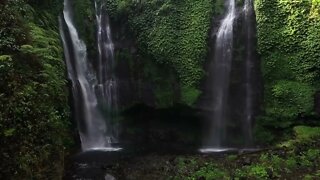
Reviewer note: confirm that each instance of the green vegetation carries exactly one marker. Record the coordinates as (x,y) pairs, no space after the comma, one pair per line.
(168,47)
(171,33)
(300,160)
(34,116)
(288,42)
(194,168)
(175,33)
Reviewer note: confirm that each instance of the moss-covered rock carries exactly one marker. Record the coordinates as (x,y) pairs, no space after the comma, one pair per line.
(173,34)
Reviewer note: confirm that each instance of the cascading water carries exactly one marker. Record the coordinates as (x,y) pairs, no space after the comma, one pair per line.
(90,94)
(249,64)
(107,83)
(225,112)
(221,77)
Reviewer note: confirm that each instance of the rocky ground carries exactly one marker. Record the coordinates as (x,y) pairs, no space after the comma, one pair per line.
(298,158)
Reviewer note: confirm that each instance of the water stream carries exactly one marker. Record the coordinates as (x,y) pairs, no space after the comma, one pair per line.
(94,91)
(249,65)
(221,77)
(224,111)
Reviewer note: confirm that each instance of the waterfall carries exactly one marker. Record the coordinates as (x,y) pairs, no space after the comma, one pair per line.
(222,106)
(221,77)
(249,65)
(107,82)
(91,90)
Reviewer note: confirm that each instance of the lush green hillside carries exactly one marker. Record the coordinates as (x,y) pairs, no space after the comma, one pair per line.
(289,46)
(34,115)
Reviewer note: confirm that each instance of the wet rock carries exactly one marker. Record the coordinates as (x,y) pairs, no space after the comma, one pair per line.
(109,177)
(106,166)
(317,102)
(246,161)
(172,160)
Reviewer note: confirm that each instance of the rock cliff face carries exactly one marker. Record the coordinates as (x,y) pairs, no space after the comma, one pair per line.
(162,47)
(163,54)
